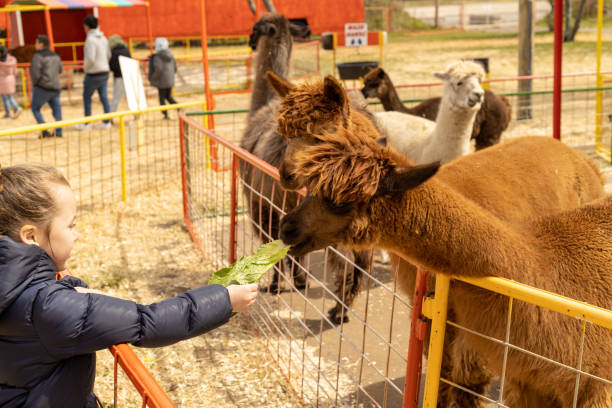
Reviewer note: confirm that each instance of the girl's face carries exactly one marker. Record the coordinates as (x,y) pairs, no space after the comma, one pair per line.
(62,235)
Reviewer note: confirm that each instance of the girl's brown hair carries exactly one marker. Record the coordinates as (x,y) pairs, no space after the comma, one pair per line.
(25,196)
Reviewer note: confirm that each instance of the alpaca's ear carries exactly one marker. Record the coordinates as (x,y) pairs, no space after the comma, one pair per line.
(381,73)
(382,141)
(334,92)
(402,179)
(281,86)
(441,75)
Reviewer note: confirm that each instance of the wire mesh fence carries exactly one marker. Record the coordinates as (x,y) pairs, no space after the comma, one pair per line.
(419,15)
(562,347)
(232,204)
(92,159)
(531,102)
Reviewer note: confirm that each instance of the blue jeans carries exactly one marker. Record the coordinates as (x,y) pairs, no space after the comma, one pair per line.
(9,102)
(91,84)
(41,96)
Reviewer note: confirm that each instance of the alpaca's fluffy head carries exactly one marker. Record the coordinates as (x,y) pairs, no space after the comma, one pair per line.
(463,84)
(270,25)
(343,174)
(310,110)
(376,84)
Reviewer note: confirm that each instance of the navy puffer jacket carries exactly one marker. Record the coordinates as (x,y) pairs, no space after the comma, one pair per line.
(49,332)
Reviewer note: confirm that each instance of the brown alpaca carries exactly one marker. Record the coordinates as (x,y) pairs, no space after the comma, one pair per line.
(470,222)
(271,38)
(491,120)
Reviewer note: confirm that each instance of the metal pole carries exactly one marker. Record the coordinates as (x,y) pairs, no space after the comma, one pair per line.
(415,348)
(49,29)
(599,78)
(232,248)
(123,159)
(149,27)
(19,28)
(558,69)
(436,341)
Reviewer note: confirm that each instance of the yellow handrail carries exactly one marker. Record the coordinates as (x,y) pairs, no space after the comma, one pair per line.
(561,304)
(436,310)
(88,119)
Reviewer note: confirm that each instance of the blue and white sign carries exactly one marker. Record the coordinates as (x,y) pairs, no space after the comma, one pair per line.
(356,34)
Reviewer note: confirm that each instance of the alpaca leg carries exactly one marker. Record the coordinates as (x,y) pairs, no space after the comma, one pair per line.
(595,394)
(348,281)
(466,369)
(298,274)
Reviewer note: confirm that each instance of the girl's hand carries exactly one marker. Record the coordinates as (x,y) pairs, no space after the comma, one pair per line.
(242,297)
(87,290)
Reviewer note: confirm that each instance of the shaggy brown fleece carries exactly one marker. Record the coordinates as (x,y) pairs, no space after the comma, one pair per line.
(522,210)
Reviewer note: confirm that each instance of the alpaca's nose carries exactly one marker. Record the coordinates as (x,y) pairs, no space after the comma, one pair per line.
(289,229)
(478,95)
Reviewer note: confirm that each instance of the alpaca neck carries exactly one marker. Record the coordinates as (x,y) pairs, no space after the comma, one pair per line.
(272,55)
(391,100)
(451,136)
(442,231)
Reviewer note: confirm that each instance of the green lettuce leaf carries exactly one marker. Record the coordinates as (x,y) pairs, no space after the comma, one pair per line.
(250,269)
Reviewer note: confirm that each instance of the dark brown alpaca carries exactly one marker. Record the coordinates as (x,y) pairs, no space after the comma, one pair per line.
(491,120)
(272,40)
(518,220)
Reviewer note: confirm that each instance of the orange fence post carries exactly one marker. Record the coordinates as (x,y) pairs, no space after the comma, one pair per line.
(418,330)
(49,29)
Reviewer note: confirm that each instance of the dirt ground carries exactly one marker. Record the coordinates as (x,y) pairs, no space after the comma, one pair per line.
(141,251)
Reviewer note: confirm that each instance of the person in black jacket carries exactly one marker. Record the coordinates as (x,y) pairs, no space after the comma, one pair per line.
(50,329)
(45,73)
(118,48)
(162,67)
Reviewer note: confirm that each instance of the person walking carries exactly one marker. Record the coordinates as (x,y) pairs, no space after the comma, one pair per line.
(118,48)
(8,70)
(45,73)
(162,67)
(95,64)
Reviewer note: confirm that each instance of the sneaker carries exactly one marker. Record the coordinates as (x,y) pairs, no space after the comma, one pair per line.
(103,126)
(6,116)
(82,126)
(45,134)
(17,113)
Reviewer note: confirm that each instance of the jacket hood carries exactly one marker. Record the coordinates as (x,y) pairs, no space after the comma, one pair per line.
(95,32)
(20,266)
(165,55)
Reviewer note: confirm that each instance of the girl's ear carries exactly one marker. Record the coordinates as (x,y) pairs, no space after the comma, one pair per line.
(27,234)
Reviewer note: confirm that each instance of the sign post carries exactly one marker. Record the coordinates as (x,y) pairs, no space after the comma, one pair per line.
(355,35)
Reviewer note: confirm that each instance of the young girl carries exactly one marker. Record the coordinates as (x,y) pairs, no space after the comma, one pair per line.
(49,329)
(8,70)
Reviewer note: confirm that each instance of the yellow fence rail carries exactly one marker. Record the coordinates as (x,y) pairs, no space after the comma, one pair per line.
(97,118)
(435,308)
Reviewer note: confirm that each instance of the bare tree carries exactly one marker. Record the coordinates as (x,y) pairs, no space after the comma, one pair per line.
(570,31)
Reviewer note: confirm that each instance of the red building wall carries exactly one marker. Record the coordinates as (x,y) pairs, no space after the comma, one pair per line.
(182,18)
(225,17)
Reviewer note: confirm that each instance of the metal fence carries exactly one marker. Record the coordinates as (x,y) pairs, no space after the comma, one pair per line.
(417,15)
(139,152)
(583,123)
(233,203)
(359,363)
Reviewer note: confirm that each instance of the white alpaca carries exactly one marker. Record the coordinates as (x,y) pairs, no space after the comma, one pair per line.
(424,141)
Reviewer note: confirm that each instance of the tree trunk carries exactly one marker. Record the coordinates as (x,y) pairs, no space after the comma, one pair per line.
(570,35)
(525,57)
(550,18)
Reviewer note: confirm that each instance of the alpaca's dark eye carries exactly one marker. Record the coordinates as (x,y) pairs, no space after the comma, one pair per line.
(337,208)
(459,83)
